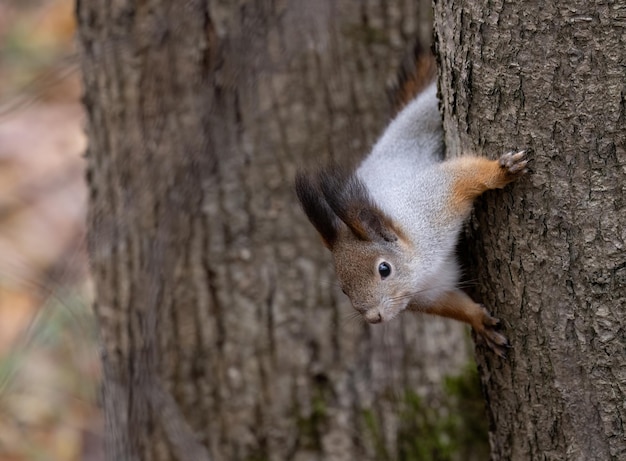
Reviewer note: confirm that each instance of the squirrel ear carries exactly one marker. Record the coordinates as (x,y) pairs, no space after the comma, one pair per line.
(317,210)
(377,225)
(348,198)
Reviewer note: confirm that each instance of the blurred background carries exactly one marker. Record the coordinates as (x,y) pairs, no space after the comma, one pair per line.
(48,355)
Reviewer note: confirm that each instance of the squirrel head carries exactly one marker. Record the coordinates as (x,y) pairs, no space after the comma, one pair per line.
(373,258)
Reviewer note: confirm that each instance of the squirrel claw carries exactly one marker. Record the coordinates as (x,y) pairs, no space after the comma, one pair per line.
(497,343)
(515,163)
(491,321)
(495,340)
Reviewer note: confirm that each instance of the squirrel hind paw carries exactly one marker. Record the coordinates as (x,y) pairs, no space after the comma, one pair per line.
(515,163)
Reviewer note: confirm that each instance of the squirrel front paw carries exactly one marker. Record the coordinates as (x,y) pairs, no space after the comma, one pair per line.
(487,330)
(515,163)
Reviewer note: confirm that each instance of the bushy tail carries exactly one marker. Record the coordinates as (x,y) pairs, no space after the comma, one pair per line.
(418,70)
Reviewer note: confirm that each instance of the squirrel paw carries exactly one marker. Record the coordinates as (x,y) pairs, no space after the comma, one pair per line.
(487,330)
(515,163)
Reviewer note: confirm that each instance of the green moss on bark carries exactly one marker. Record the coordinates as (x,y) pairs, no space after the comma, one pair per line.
(451,428)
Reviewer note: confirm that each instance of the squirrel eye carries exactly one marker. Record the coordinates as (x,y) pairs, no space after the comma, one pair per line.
(384,269)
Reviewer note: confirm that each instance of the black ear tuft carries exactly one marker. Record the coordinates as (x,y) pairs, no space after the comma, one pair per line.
(317,210)
(347,196)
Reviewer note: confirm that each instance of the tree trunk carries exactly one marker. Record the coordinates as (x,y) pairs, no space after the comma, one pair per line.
(548,252)
(223,333)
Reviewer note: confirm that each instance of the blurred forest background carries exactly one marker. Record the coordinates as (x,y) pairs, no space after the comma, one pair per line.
(49,366)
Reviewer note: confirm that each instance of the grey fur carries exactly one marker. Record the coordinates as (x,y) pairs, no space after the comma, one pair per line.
(404,178)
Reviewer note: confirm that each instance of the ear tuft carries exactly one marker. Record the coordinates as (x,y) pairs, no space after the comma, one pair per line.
(315,207)
(348,197)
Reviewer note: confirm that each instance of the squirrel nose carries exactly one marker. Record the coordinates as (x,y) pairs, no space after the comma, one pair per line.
(373,316)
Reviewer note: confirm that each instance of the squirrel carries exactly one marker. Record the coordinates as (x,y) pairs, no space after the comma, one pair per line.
(392,224)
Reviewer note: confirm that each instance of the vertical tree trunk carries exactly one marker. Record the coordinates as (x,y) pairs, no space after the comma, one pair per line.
(223,333)
(548,252)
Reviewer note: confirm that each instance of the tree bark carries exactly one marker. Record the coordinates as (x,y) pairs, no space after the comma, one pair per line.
(223,334)
(548,252)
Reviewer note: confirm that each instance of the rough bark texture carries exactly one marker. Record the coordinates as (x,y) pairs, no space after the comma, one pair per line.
(223,333)
(548,252)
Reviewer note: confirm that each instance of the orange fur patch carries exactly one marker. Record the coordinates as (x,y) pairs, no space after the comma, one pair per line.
(458,306)
(472,177)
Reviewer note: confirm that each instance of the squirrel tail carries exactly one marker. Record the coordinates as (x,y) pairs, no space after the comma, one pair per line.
(417,71)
